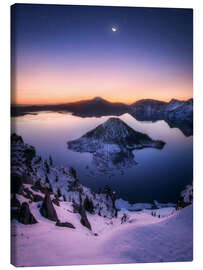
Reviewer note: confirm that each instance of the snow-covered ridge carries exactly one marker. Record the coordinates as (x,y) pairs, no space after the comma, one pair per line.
(122,204)
(176,113)
(173,110)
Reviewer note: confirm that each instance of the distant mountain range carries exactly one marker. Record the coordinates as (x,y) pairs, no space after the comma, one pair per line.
(175,109)
(100,107)
(176,113)
(84,108)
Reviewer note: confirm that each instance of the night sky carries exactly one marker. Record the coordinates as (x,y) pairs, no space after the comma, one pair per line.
(67,53)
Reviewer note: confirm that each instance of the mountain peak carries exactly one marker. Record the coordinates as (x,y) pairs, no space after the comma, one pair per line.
(174,100)
(113,120)
(98,99)
(113,131)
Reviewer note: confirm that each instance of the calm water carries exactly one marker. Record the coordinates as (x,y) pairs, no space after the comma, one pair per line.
(159,174)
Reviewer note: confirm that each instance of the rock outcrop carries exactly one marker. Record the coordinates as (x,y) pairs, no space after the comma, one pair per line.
(83,220)
(25,216)
(65,224)
(47,209)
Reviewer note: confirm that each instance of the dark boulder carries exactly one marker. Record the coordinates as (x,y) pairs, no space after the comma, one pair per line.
(25,215)
(15,202)
(65,224)
(47,209)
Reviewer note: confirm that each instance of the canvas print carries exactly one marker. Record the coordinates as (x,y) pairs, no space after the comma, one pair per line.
(101,135)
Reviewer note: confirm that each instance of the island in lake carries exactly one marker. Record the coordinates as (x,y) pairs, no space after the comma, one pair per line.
(112,143)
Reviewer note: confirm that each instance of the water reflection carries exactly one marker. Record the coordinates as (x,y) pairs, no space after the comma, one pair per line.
(158,175)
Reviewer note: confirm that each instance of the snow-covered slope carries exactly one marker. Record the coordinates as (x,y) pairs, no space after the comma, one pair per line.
(148,107)
(177,110)
(144,238)
(174,104)
(28,168)
(58,221)
(168,240)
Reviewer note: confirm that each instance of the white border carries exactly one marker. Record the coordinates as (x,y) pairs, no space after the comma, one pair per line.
(198,157)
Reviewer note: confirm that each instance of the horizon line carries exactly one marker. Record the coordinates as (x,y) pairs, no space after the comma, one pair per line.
(90,99)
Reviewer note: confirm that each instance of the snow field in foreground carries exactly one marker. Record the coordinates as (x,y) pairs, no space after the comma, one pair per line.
(145,239)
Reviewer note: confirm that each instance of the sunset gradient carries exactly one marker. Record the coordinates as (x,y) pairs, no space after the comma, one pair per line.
(68,53)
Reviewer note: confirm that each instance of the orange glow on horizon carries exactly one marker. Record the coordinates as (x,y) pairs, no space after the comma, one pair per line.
(51,85)
(44,101)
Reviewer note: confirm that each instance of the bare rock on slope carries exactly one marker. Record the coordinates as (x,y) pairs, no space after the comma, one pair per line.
(25,215)
(47,209)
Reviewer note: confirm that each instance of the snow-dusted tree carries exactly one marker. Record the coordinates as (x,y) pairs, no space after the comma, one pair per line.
(186,197)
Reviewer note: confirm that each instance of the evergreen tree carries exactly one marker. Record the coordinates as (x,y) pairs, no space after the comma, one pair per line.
(47,179)
(72,171)
(50,161)
(88,205)
(46,166)
(59,192)
(50,188)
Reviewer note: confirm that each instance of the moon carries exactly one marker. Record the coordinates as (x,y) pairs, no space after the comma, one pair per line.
(114,29)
